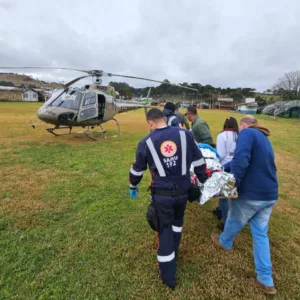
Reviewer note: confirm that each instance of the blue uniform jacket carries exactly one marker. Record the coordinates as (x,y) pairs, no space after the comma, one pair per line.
(169,153)
(172,120)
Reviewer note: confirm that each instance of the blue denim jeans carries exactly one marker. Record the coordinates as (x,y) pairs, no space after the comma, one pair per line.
(223,206)
(257,213)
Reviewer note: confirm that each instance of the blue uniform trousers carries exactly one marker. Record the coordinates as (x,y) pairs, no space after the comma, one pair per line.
(170,212)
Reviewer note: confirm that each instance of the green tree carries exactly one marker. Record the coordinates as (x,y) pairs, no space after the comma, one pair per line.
(6,83)
(260,100)
(288,86)
(125,92)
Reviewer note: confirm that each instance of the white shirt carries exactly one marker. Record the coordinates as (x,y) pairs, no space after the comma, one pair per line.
(226,143)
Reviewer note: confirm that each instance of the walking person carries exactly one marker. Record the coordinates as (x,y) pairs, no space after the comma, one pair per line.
(200,129)
(169,152)
(183,121)
(226,144)
(169,113)
(253,166)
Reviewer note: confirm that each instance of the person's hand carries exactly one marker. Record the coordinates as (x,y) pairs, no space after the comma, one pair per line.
(233,193)
(133,191)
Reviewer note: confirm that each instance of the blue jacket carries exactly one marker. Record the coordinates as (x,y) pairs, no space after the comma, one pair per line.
(172,120)
(169,153)
(253,165)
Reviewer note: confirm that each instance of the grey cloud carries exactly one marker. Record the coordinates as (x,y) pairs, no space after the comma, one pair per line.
(230,43)
(7,5)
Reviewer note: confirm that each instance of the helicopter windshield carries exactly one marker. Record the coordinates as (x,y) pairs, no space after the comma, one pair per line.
(68,99)
(54,95)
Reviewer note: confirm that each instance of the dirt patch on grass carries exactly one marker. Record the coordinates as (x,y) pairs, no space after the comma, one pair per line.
(20,191)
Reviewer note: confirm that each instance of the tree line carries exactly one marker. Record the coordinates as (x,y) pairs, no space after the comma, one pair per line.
(205,92)
(286,88)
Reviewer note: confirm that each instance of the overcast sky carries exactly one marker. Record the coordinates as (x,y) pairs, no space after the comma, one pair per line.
(229,43)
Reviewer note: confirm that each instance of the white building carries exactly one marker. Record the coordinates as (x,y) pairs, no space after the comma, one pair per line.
(32,95)
(249,107)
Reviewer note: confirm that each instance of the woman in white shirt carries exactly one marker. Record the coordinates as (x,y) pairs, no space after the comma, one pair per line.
(226,143)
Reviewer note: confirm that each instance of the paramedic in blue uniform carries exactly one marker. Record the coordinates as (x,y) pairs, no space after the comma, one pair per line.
(169,113)
(169,152)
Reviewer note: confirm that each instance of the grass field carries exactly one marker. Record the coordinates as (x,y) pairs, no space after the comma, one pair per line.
(68,229)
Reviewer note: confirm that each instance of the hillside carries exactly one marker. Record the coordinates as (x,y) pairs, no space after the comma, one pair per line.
(22,80)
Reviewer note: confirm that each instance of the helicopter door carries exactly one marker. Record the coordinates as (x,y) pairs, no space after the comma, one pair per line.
(89,108)
(101,106)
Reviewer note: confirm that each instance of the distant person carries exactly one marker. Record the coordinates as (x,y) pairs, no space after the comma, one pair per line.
(200,128)
(183,121)
(253,166)
(226,144)
(169,113)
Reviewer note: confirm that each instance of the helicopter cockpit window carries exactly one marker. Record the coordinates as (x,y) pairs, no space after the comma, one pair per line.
(70,99)
(89,99)
(54,95)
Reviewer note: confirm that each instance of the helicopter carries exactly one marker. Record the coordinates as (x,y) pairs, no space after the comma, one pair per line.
(90,106)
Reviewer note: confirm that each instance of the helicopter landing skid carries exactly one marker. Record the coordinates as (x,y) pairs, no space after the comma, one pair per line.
(51,130)
(90,136)
(102,131)
(87,133)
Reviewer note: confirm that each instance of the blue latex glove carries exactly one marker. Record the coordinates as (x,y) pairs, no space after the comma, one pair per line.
(206,146)
(133,192)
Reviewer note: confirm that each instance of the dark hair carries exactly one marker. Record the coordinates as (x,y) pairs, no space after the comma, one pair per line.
(154,114)
(231,123)
(192,110)
(171,106)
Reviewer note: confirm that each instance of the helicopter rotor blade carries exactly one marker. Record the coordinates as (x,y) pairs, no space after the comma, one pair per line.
(47,68)
(147,79)
(75,80)
(100,73)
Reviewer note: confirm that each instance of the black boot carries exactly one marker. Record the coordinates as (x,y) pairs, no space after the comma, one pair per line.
(218,213)
(221,226)
(172,287)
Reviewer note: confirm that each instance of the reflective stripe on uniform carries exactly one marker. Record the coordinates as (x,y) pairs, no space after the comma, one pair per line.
(166,258)
(156,159)
(198,163)
(176,229)
(170,120)
(183,152)
(136,173)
